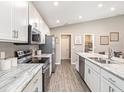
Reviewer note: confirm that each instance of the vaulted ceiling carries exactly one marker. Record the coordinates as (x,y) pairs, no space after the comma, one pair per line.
(71,12)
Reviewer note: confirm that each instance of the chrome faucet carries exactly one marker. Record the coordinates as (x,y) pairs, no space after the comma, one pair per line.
(110,53)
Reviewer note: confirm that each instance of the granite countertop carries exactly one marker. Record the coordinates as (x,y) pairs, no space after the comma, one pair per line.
(43,55)
(17,78)
(116,69)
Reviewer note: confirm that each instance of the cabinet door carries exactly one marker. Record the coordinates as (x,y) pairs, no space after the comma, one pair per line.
(35,85)
(33,16)
(77,62)
(5,20)
(20,20)
(92,79)
(108,87)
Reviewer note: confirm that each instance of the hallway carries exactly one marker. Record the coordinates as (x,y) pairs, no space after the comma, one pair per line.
(66,79)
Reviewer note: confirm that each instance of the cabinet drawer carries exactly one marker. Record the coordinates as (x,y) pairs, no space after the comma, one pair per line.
(93,66)
(113,79)
(34,82)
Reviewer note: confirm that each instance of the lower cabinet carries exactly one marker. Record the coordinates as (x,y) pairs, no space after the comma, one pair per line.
(77,62)
(92,78)
(100,80)
(106,86)
(35,85)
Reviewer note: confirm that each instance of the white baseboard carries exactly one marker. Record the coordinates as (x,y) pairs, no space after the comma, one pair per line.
(57,63)
(73,63)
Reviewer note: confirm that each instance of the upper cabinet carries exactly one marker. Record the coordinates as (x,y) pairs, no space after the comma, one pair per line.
(20,21)
(5,20)
(13,21)
(36,21)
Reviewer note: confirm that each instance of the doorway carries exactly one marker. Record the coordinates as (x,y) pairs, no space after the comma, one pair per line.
(66,48)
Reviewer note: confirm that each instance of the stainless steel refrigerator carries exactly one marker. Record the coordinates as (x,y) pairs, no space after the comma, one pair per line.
(50,47)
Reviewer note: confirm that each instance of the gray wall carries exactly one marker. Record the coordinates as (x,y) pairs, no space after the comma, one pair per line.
(101,27)
(9,48)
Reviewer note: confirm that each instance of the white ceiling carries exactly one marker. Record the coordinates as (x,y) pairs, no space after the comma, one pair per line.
(68,12)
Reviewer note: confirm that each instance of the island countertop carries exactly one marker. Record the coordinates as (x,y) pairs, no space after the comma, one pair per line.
(116,69)
(17,78)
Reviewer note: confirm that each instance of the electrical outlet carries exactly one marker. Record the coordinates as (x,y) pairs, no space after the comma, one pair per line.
(2,55)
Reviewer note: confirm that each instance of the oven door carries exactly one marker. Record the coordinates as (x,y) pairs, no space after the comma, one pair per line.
(46,78)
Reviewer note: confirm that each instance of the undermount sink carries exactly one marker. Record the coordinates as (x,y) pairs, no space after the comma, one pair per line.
(103,60)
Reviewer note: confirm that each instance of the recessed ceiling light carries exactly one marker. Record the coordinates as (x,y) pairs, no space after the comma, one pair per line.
(56,3)
(80,17)
(57,21)
(100,5)
(112,8)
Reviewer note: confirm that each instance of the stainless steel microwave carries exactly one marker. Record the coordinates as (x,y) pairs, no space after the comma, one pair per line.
(34,35)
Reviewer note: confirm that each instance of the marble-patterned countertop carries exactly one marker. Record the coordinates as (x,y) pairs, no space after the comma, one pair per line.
(17,78)
(43,55)
(116,69)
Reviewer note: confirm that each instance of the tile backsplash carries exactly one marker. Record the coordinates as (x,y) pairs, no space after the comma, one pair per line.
(10,48)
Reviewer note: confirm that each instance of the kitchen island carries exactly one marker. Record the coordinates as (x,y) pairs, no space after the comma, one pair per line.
(102,76)
(18,79)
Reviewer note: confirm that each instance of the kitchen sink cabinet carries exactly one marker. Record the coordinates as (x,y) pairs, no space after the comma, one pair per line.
(92,78)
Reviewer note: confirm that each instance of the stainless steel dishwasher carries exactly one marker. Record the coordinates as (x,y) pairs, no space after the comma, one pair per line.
(81,66)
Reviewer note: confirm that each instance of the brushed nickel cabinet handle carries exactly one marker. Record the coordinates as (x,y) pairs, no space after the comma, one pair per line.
(109,88)
(35,81)
(112,80)
(89,71)
(13,33)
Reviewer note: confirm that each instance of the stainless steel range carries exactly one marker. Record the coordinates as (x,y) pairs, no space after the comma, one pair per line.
(25,57)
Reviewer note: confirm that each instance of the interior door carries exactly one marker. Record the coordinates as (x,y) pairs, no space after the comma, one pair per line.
(65,47)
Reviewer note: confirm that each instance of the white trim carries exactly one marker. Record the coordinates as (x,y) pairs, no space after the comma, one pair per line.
(73,63)
(60,44)
(57,63)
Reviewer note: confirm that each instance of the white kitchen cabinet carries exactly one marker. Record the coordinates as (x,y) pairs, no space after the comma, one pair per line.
(36,21)
(77,62)
(14,21)
(34,16)
(92,78)
(116,83)
(5,20)
(35,85)
(20,21)
(106,86)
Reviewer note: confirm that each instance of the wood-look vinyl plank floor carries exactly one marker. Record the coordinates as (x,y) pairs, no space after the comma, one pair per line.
(66,79)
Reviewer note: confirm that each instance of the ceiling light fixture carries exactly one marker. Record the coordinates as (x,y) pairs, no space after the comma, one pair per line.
(80,17)
(56,3)
(57,21)
(112,8)
(100,5)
